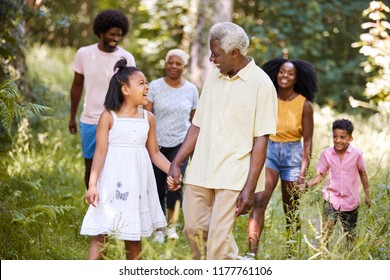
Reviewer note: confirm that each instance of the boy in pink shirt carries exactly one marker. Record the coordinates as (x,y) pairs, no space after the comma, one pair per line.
(341,192)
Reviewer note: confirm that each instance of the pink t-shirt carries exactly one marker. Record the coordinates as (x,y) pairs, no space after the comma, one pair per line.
(342,187)
(97,67)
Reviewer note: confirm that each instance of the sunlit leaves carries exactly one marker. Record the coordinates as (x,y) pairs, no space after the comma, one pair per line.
(375,45)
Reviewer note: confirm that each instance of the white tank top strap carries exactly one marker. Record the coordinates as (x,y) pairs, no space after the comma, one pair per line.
(113,114)
(145,114)
(115,117)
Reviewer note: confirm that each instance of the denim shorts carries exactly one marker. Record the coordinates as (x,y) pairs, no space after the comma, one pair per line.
(285,158)
(88,139)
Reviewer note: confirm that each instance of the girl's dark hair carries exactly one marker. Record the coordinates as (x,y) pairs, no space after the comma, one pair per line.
(114,96)
(343,124)
(306,81)
(108,19)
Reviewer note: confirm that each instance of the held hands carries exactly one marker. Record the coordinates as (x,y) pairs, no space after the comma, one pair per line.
(301,185)
(92,196)
(172,185)
(174,178)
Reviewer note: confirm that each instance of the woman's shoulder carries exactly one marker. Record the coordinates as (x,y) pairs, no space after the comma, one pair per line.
(189,84)
(157,81)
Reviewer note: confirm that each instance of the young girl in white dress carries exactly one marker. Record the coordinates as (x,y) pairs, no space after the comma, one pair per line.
(122,190)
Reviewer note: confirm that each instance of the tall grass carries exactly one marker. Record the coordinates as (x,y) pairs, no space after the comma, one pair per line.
(42,190)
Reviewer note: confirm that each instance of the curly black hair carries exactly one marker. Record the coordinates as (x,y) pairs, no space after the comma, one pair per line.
(108,19)
(343,124)
(306,81)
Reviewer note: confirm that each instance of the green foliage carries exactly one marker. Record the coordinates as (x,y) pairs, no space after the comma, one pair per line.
(162,30)
(61,23)
(13,108)
(157,26)
(11,38)
(320,32)
(30,207)
(375,45)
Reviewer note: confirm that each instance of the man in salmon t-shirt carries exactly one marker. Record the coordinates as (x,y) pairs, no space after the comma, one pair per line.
(93,68)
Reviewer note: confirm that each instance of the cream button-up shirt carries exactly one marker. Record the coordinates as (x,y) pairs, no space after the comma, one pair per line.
(231,113)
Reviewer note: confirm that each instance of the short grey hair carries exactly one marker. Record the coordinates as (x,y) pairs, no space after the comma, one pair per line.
(177,52)
(231,36)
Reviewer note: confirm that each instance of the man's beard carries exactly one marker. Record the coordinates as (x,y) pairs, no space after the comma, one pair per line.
(109,47)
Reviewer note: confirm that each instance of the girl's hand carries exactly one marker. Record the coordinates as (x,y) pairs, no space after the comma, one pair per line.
(92,196)
(171,183)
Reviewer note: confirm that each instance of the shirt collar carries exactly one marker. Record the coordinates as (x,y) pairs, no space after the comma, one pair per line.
(348,150)
(244,73)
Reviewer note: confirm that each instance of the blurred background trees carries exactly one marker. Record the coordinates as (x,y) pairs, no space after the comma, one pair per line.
(41,187)
(318,31)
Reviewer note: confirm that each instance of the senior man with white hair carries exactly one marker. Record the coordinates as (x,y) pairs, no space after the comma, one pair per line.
(173,100)
(228,137)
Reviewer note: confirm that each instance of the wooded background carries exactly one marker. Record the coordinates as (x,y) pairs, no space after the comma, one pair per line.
(42,192)
(319,31)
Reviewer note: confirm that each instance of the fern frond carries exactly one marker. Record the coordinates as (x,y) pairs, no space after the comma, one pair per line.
(9,89)
(30,214)
(52,210)
(33,110)
(13,107)
(5,116)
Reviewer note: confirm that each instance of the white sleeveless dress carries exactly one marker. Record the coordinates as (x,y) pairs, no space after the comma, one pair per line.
(129,207)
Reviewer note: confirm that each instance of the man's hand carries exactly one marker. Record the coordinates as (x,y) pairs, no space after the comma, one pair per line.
(174,178)
(244,202)
(172,185)
(73,126)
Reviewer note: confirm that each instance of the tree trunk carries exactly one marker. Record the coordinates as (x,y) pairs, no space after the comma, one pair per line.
(206,13)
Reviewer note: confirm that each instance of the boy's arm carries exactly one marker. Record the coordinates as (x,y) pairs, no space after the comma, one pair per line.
(316,179)
(364,180)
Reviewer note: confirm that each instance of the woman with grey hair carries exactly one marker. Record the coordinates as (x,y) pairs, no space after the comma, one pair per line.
(173,101)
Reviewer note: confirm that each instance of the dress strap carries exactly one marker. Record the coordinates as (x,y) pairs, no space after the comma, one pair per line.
(145,114)
(113,114)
